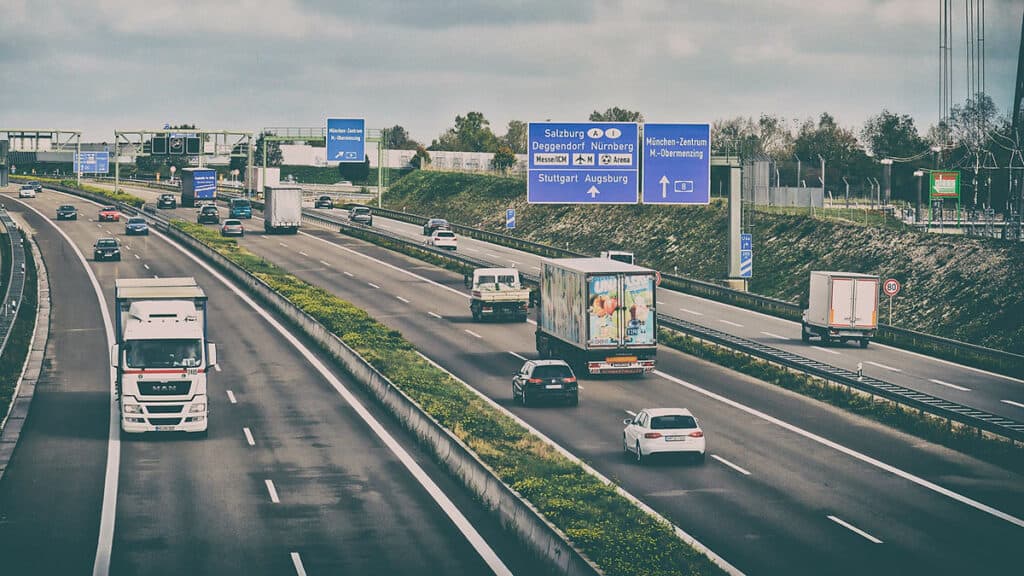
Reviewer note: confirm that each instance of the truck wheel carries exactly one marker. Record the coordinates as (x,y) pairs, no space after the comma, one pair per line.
(805,336)
(476,311)
(826,340)
(863,342)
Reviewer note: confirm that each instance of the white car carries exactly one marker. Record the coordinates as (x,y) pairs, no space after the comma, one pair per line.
(444,239)
(663,430)
(27,191)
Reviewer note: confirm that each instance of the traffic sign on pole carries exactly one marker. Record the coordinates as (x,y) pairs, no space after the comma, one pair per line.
(891,287)
(586,163)
(677,164)
(746,255)
(346,139)
(510,218)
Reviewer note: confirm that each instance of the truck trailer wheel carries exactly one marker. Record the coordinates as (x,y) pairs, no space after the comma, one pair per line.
(864,342)
(805,336)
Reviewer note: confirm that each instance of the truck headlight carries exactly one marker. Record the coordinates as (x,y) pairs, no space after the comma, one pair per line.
(132,409)
(198,407)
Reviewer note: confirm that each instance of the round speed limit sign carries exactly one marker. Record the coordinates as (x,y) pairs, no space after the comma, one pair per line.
(891,287)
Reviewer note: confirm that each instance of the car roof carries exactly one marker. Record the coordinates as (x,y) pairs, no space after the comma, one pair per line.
(136,218)
(433,220)
(106,239)
(109,208)
(232,221)
(360,208)
(667,411)
(23,186)
(443,233)
(66,206)
(554,362)
(207,207)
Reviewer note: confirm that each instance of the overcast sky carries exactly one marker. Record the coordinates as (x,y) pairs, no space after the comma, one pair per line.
(101,65)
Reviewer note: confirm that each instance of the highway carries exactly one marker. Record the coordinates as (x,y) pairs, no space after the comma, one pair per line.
(791,485)
(292,479)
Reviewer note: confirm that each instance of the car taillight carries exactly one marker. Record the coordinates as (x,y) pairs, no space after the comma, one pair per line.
(651,435)
(696,434)
(534,380)
(570,380)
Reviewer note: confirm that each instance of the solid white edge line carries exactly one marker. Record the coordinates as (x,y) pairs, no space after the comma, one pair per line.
(694,312)
(300,570)
(1012,403)
(739,469)
(854,529)
(848,451)
(770,335)
(730,323)
(272,491)
(682,534)
(826,350)
(447,506)
(948,385)
(471,333)
(108,513)
(438,316)
(248,436)
(231,397)
(520,356)
(882,366)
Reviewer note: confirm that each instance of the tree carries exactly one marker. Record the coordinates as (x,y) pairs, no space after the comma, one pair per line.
(516,136)
(889,135)
(837,145)
(421,158)
(471,133)
(355,171)
(616,114)
(503,159)
(397,138)
(743,137)
(971,122)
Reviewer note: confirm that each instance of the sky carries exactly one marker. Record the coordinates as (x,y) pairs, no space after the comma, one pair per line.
(101,65)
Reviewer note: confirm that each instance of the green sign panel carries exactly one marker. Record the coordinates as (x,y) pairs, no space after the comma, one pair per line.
(945,185)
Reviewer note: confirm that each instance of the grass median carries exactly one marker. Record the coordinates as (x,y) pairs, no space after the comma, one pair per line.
(130,199)
(17,348)
(611,530)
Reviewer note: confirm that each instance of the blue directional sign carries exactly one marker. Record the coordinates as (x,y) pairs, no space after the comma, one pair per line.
(346,139)
(510,218)
(586,163)
(746,241)
(677,164)
(746,255)
(92,162)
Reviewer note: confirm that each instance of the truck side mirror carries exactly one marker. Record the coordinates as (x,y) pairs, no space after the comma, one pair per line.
(211,354)
(115,353)
(466,281)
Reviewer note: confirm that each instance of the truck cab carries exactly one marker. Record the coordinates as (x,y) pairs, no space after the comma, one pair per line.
(618,255)
(162,355)
(497,293)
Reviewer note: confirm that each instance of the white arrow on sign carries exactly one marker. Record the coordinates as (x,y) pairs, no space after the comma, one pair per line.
(593,191)
(664,182)
(340,155)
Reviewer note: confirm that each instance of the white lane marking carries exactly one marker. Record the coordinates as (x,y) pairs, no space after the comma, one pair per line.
(248,436)
(1012,403)
(349,274)
(402,299)
(324,263)
(155,276)
(514,262)
(854,529)
(491,254)
(272,491)
(883,366)
(300,570)
(438,316)
(146,266)
(98,226)
(283,244)
(108,513)
(770,335)
(471,333)
(450,509)
(372,284)
(631,413)
(303,253)
(848,451)
(947,384)
(825,350)
(471,249)
(730,323)
(694,312)
(520,356)
(216,367)
(137,257)
(743,471)
(231,397)
(127,247)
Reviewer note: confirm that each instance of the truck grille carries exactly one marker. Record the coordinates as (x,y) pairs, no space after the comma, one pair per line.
(165,421)
(173,388)
(172,409)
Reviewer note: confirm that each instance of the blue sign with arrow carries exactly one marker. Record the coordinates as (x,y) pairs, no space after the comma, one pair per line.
(677,164)
(746,255)
(510,218)
(346,139)
(92,162)
(586,163)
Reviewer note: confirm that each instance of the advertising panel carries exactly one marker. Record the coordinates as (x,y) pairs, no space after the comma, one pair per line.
(603,316)
(560,303)
(638,294)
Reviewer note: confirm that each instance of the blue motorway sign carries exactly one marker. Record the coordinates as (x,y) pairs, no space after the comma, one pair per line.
(746,263)
(585,163)
(510,218)
(346,139)
(92,162)
(677,164)
(746,241)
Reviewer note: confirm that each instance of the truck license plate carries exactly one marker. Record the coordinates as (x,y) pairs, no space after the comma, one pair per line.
(165,428)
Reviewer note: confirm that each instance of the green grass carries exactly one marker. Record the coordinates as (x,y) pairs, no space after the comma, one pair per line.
(129,199)
(17,348)
(617,535)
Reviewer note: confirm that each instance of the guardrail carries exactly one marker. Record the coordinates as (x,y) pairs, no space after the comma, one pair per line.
(932,405)
(15,283)
(947,348)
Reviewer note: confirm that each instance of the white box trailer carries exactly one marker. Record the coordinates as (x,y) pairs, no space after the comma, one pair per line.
(842,306)
(282,209)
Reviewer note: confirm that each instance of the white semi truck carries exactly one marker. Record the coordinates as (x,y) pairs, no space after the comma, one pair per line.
(162,354)
(497,293)
(282,209)
(598,314)
(842,306)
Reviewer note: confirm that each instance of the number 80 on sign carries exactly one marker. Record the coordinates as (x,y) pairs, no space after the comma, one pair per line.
(891,287)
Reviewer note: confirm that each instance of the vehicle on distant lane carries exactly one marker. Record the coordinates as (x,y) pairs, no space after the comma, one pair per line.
(361,215)
(106,249)
(232,227)
(208,215)
(444,239)
(136,225)
(663,431)
(67,212)
(27,191)
(324,202)
(435,224)
(109,214)
(545,380)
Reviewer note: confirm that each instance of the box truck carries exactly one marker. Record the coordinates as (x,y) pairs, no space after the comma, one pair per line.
(841,306)
(162,354)
(198,185)
(282,209)
(598,314)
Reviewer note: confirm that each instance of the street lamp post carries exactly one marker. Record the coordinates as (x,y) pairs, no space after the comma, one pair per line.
(798,166)
(917,208)
(887,178)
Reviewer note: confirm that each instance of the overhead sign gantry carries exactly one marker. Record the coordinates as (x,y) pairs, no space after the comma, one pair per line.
(181,142)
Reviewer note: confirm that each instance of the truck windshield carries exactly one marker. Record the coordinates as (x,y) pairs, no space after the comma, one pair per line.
(507,279)
(163,353)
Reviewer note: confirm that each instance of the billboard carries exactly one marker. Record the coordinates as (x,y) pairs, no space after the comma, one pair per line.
(560,303)
(945,185)
(638,297)
(603,314)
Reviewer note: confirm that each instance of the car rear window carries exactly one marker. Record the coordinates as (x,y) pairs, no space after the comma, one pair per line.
(446,235)
(209,209)
(136,221)
(361,210)
(672,421)
(552,372)
(239,203)
(67,207)
(106,243)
